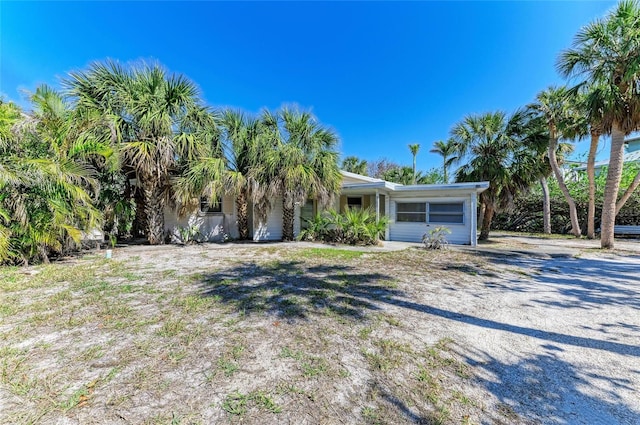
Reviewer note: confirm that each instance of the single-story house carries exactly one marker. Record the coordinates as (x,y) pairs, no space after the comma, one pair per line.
(411,209)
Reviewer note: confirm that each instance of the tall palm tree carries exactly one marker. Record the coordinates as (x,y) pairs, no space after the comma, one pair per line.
(590,102)
(151,116)
(447,150)
(492,146)
(605,53)
(353,164)
(228,169)
(301,162)
(554,106)
(414,148)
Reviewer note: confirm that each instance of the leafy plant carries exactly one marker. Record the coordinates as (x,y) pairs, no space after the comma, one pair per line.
(436,238)
(188,235)
(353,227)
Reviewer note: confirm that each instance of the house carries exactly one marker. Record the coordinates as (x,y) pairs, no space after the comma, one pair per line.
(411,209)
(631,154)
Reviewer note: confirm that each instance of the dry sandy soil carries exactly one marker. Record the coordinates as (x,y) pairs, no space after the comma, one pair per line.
(518,331)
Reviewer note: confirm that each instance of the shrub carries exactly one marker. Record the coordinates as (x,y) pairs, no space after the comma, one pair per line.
(436,238)
(353,227)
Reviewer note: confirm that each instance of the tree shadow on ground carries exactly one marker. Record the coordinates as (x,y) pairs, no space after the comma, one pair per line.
(582,283)
(291,290)
(545,388)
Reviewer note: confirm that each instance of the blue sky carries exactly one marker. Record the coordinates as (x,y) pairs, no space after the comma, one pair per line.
(383,75)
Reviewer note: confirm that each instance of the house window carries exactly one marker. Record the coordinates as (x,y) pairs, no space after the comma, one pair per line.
(354,202)
(307,212)
(411,212)
(214,207)
(451,212)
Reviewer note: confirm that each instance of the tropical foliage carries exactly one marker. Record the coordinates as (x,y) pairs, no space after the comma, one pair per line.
(447,150)
(353,227)
(301,162)
(47,180)
(497,148)
(605,54)
(353,164)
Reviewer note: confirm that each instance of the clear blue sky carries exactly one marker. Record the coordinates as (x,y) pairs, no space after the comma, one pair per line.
(383,75)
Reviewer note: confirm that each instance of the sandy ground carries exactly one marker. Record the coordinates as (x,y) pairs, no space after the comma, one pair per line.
(553,331)
(560,340)
(550,329)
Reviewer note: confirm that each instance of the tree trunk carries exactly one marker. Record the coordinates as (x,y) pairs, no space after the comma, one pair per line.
(573,213)
(242,207)
(414,169)
(486,222)
(616,160)
(287,220)
(591,175)
(546,206)
(483,207)
(627,193)
(444,171)
(154,212)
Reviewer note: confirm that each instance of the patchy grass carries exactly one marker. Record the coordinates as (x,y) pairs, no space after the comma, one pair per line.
(266,335)
(329,253)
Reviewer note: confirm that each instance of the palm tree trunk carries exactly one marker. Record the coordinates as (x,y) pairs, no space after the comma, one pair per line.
(486,222)
(573,213)
(591,175)
(614,174)
(483,208)
(546,206)
(414,168)
(444,171)
(243,215)
(627,193)
(154,212)
(287,220)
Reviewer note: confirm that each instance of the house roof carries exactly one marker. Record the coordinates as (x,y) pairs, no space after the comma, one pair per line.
(360,182)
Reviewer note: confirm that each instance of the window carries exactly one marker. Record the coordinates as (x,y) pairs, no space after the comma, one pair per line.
(411,212)
(452,212)
(354,202)
(210,208)
(307,211)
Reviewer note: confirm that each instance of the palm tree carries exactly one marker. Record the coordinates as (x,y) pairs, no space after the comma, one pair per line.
(47,183)
(447,150)
(228,168)
(493,147)
(553,105)
(154,119)
(590,104)
(300,163)
(353,164)
(605,53)
(414,151)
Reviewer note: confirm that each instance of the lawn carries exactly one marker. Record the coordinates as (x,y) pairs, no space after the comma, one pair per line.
(250,334)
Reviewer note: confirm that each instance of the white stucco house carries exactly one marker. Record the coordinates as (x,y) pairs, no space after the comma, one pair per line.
(412,210)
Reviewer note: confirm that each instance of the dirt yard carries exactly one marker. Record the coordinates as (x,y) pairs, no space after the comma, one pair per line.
(518,331)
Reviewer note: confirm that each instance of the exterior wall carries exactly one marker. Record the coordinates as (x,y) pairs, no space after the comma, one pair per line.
(413,232)
(214,227)
(272,229)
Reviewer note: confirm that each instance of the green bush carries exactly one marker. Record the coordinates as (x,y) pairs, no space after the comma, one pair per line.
(353,227)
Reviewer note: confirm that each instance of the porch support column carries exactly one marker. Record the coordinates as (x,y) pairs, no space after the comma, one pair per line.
(387,211)
(474,218)
(377,206)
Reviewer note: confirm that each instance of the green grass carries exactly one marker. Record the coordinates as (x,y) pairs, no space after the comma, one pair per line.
(328,253)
